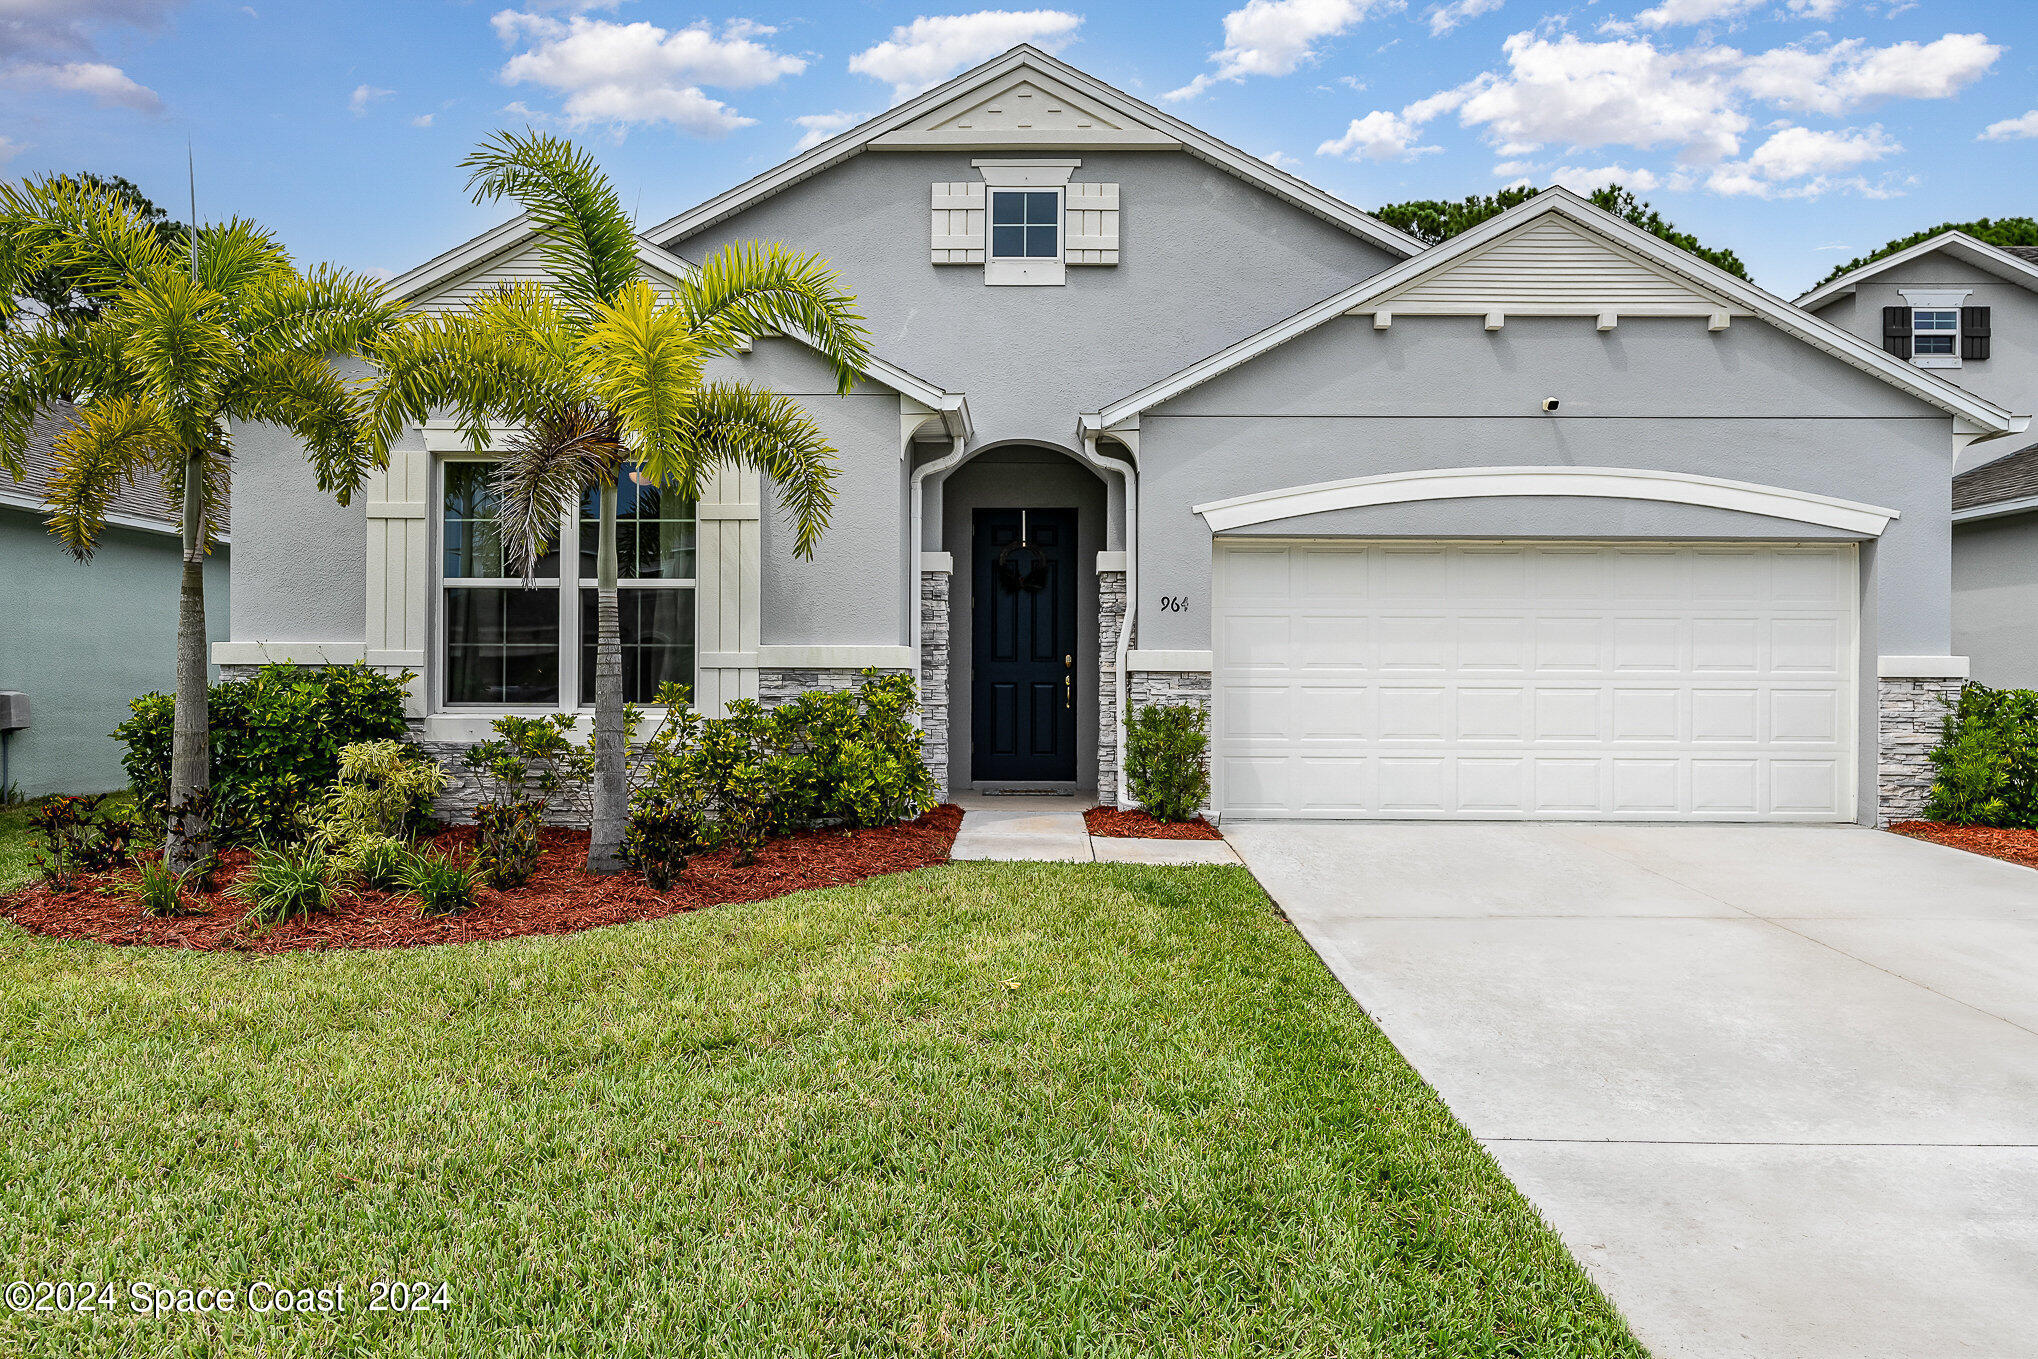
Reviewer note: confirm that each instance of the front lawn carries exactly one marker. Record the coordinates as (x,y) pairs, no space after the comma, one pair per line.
(981,1109)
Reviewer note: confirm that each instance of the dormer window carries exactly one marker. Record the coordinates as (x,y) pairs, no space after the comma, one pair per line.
(1933,331)
(1936,329)
(1025,224)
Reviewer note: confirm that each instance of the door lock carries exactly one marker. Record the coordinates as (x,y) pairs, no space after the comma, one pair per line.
(1068,682)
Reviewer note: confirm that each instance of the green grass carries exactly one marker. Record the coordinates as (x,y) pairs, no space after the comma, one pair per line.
(976,1110)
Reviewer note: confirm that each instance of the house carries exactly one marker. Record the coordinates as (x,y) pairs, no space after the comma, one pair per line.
(1968,311)
(1551,520)
(85,638)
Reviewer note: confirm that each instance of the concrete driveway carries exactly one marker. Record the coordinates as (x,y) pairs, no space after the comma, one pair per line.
(1776,1087)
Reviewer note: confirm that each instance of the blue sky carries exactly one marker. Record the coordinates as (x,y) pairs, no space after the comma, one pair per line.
(1796,132)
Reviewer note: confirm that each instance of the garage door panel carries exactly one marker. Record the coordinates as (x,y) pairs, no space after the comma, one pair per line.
(1641,681)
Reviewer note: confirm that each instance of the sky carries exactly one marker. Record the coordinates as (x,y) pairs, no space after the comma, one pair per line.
(1798,133)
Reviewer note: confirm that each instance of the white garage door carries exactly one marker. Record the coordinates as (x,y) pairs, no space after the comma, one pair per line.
(1582,680)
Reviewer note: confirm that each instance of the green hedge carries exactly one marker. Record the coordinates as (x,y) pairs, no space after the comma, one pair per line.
(276,742)
(1987,760)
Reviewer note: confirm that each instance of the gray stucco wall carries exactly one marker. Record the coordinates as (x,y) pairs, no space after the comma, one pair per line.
(84,639)
(1995,599)
(2008,377)
(1204,260)
(1021,478)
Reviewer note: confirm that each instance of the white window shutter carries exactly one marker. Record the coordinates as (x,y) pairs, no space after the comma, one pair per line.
(1092,212)
(959,223)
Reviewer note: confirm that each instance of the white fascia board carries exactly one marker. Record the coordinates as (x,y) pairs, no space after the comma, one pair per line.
(427,277)
(1996,509)
(1201,144)
(1958,244)
(1921,667)
(1793,321)
(16,500)
(1618,483)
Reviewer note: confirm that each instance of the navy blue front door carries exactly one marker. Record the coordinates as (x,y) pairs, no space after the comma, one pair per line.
(1023,669)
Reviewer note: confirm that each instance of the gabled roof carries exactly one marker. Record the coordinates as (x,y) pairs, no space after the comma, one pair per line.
(500,241)
(926,121)
(2009,485)
(140,504)
(2015,264)
(1971,413)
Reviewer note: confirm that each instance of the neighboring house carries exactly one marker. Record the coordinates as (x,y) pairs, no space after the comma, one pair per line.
(1551,520)
(1968,311)
(82,639)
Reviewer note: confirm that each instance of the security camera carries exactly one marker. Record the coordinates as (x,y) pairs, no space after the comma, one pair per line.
(1549,403)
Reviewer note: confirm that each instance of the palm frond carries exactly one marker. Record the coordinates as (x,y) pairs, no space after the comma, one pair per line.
(545,468)
(583,233)
(299,391)
(325,310)
(506,360)
(175,344)
(111,441)
(60,224)
(234,257)
(752,288)
(643,361)
(732,423)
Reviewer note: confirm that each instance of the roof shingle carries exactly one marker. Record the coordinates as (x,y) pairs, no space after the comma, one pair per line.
(144,498)
(2014,477)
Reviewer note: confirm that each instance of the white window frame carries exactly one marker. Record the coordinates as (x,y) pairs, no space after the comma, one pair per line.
(1935,299)
(1035,176)
(569,611)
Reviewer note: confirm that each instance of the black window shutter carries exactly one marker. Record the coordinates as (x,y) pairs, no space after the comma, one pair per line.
(1974,332)
(1896,331)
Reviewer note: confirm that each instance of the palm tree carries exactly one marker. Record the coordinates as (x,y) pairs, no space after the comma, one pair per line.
(187,339)
(596,371)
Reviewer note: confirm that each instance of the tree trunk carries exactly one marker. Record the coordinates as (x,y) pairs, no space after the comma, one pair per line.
(611,745)
(189,838)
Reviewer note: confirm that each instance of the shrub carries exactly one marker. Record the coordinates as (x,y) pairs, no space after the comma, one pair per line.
(80,835)
(1165,750)
(858,753)
(374,861)
(441,884)
(276,741)
(281,883)
(506,850)
(1986,762)
(158,891)
(383,789)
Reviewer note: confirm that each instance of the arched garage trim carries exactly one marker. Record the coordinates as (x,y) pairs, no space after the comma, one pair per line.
(1618,483)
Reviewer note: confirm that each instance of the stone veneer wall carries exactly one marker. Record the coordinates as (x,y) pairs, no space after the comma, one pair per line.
(1909,715)
(1110,620)
(934,626)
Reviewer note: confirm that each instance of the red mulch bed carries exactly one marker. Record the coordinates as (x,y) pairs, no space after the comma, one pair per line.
(1123,825)
(561,896)
(1998,842)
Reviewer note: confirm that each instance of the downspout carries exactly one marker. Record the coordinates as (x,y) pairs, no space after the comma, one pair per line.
(1125,471)
(941,464)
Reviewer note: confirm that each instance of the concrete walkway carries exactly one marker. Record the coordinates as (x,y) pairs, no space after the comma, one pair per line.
(1776,1087)
(1036,829)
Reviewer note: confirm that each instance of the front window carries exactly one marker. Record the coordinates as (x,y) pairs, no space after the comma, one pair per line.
(1025,224)
(1934,330)
(507,646)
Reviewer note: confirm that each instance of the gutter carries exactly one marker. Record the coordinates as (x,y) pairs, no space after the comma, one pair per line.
(1126,472)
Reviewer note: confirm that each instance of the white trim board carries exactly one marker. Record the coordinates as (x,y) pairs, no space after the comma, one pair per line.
(1996,509)
(834,657)
(1991,259)
(1921,667)
(1972,414)
(1619,483)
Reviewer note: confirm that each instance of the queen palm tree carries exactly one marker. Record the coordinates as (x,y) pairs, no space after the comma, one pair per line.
(187,339)
(597,372)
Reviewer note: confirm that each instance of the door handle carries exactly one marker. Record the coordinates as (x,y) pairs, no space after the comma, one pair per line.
(1068,682)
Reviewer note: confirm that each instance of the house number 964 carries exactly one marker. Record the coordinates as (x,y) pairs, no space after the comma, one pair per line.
(1174,603)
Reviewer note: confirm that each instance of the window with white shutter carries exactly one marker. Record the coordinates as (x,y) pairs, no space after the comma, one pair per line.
(959,223)
(1092,224)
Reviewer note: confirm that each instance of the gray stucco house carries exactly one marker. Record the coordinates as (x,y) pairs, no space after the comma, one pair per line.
(1552,520)
(82,639)
(1968,311)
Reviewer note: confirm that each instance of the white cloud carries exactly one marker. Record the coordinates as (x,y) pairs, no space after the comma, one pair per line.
(2011,129)
(106,85)
(1798,162)
(1850,73)
(922,54)
(53,45)
(9,149)
(1444,18)
(1281,160)
(821,126)
(1380,135)
(1273,37)
(1675,12)
(423,120)
(638,72)
(365,97)
(1582,180)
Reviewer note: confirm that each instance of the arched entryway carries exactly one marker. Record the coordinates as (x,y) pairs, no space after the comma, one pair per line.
(1022,525)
